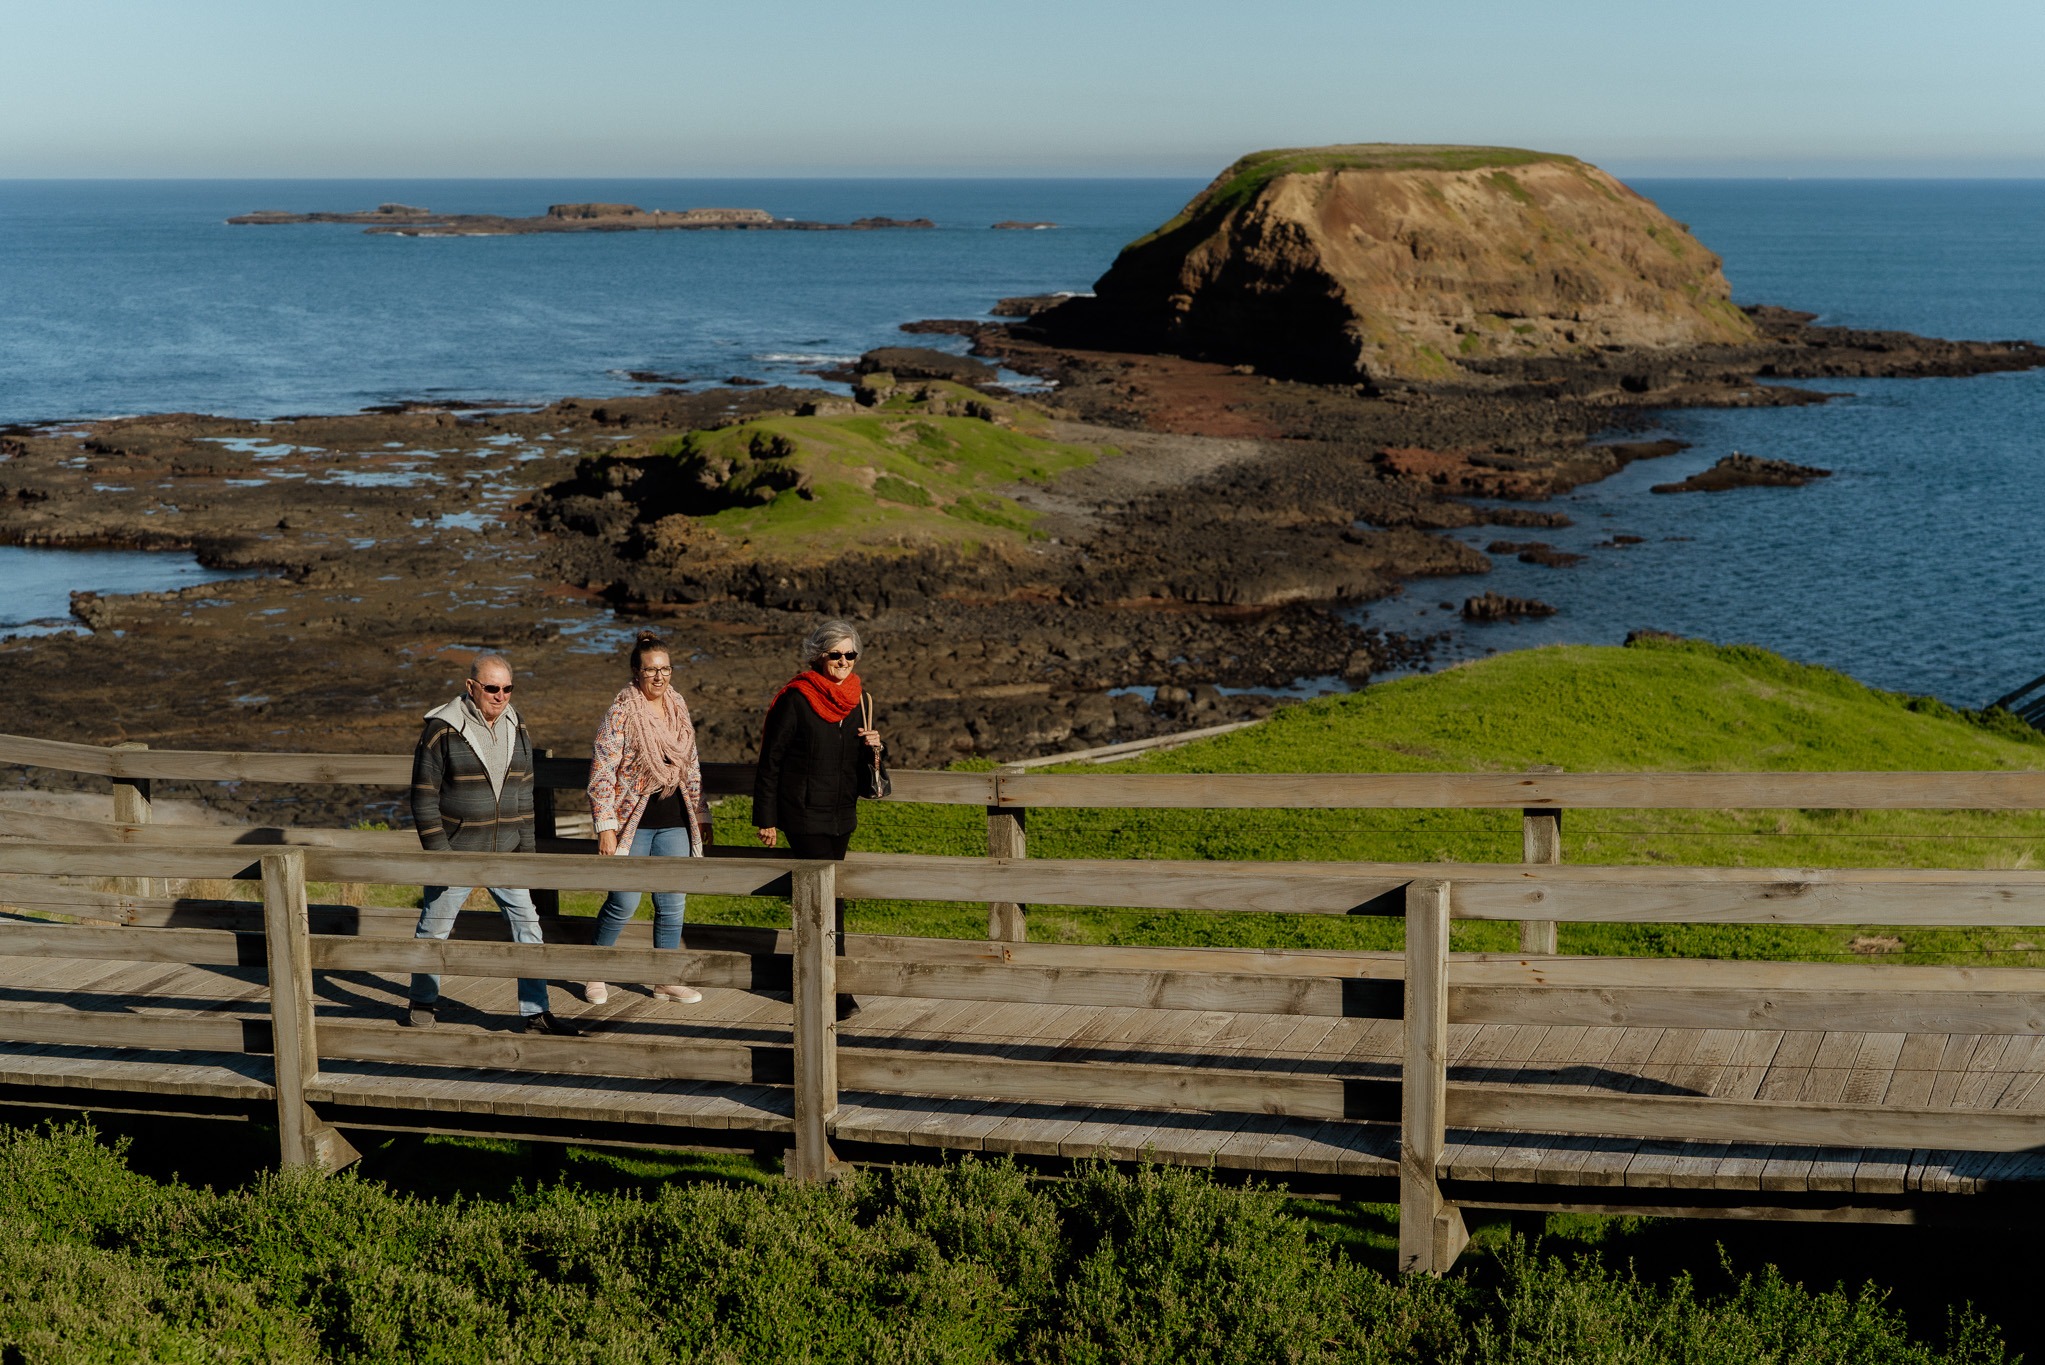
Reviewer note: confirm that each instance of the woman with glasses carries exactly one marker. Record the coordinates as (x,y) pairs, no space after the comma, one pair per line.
(646,794)
(817,742)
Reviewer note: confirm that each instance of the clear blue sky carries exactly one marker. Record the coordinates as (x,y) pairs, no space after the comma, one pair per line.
(1050,87)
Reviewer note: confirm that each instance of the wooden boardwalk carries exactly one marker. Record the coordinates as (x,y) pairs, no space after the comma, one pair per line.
(1868,1091)
(1959,1073)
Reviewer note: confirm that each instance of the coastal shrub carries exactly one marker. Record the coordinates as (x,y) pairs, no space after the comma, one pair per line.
(971,1261)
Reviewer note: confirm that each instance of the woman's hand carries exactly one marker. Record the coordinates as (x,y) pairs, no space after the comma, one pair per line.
(768,836)
(607,842)
(871,736)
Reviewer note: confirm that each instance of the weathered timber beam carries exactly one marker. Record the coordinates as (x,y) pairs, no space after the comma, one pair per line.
(1145,1087)
(593,1055)
(1686,1119)
(2023,790)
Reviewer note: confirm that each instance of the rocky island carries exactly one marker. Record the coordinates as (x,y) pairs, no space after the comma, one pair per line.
(1264,416)
(403,220)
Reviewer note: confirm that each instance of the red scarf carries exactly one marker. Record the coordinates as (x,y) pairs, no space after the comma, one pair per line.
(833,701)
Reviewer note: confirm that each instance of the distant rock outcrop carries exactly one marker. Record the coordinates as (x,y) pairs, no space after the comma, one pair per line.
(1341,263)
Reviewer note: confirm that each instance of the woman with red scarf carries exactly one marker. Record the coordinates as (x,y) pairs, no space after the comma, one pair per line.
(816,744)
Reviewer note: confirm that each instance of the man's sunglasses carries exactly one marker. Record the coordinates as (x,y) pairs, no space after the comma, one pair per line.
(493,689)
(833,655)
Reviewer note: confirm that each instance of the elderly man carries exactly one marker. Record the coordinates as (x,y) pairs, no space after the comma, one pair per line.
(472,792)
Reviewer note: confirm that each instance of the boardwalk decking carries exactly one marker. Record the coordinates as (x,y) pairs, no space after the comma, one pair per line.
(1868,1091)
(1956,1072)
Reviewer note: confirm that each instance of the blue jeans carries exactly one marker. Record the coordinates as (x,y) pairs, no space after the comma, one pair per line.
(436,920)
(620,906)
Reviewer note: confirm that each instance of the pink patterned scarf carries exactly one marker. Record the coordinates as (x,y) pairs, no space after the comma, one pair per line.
(661,740)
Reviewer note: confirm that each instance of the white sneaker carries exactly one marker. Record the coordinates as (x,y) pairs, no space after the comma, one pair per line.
(681,995)
(595,992)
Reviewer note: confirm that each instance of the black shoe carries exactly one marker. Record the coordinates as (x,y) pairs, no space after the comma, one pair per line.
(848,1006)
(546,1021)
(417,1015)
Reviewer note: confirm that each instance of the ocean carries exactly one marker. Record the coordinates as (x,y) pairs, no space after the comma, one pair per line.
(1906,568)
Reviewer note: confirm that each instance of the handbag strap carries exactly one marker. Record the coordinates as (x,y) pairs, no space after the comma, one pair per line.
(866,710)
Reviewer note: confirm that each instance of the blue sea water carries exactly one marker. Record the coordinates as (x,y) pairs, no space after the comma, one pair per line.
(1910,567)
(127,297)
(1913,566)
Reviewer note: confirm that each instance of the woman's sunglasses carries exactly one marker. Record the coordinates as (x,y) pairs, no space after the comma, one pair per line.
(833,655)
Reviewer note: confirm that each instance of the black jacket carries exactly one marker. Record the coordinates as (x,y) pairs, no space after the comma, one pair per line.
(453,806)
(808,778)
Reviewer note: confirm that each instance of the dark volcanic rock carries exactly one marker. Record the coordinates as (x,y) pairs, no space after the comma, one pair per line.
(1491,606)
(920,362)
(1027,305)
(1745,471)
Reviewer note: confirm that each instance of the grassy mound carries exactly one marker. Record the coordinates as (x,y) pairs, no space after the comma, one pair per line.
(924,465)
(970,1262)
(1249,174)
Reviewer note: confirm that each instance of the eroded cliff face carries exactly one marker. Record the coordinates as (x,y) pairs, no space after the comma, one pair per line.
(1410,262)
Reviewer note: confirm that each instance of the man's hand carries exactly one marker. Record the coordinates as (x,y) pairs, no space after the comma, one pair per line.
(769,835)
(607,842)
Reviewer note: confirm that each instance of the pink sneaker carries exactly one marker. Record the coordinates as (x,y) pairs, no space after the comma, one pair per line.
(681,995)
(595,992)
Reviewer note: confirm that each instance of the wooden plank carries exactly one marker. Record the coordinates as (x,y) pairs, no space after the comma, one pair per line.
(1723,897)
(209,947)
(2021,790)
(1468,970)
(347,1040)
(1498,891)
(1007,839)
(131,806)
(1431,1231)
(294,1051)
(816,1027)
(1724,1007)
(1540,843)
(1710,1120)
(568,962)
(104,1028)
(1158,990)
(382,770)
(1094,1083)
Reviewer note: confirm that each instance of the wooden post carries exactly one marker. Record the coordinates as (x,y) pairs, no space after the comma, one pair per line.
(1007,837)
(1431,1232)
(546,902)
(287,939)
(131,807)
(816,1022)
(1540,842)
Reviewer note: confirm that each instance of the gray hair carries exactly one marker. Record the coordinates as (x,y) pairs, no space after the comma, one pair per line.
(826,634)
(487,657)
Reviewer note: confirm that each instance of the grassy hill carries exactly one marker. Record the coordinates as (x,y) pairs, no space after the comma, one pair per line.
(925,464)
(1249,174)
(1657,706)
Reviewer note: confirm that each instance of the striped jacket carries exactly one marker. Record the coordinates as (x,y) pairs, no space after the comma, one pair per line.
(453,807)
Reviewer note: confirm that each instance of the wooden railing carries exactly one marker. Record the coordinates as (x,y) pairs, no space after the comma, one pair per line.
(1008,795)
(1422,985)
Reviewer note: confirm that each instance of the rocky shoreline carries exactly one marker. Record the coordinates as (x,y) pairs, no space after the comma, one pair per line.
(1188,580)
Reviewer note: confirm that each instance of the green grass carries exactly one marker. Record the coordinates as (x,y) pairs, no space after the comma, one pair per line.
(1249,174)
(894,476)
(617,1260)
(1682,706)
